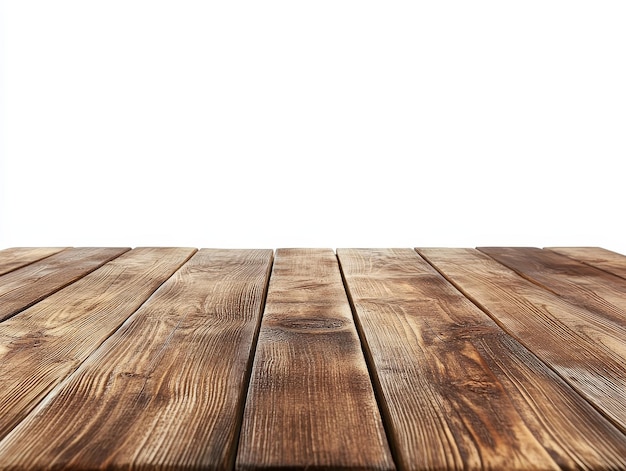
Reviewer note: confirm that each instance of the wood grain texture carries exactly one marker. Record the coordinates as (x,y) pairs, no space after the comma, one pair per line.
(26,286)
(17,257)
(166,390)
(594,361)
(457,391)
(603,259)
(602,294)
(45,343)
(310,403)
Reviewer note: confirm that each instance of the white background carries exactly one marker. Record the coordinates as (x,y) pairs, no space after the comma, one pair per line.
(317,123)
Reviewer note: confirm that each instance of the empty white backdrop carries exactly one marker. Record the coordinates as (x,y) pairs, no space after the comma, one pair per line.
(317,123)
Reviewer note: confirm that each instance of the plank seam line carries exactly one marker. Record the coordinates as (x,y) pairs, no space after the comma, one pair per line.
(250,364)
(590,309)
(35,301)
(55,390)
(522,275)
(475,302)
(385,414)
(38,260)
(586,263)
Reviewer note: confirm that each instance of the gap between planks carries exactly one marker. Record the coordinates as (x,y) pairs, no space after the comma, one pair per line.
(248,375)
(414,321)
(27,285)
(597,376)
(363,345)
(104,290)
(18,257)
(327,418)
(385,414)
(226,276)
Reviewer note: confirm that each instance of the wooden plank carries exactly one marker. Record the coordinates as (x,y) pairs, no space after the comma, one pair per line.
(603,295)
(17,257)
(457,391)
(594,359)
(166,390)
(28,285)
(45,343)
(310,403)
(603,259)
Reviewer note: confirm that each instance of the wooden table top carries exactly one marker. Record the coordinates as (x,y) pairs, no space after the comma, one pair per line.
(172,358)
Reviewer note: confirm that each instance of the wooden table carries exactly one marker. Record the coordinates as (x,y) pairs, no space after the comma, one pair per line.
(172,358)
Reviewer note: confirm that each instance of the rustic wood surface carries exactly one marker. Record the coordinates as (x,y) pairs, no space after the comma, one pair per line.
(44,344)
(597,291)
(444,369)
(586,351)
(166,388)
(17,257)
(598,257)
(171,358)
(25,286)
(309,376)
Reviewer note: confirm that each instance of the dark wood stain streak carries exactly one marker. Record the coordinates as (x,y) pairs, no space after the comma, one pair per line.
(603,259)
(594,361)
(18,257)
(45,343)
(165,390)
(26,286)
(310,403)
(449,378)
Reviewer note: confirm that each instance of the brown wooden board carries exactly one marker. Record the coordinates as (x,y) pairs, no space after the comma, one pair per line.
(310,404)
(166,390)
(17,257)
(26,286)
(457,391)
(602,294)
(606,260)
(45,343)
(589,355)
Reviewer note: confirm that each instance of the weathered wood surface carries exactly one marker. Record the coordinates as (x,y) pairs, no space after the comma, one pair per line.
(602,294)
(587,352)
(25,286)
(310,403)
(456,390)
(45,343)
(166,390)
(170,358)
(598,257)
(17,257)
